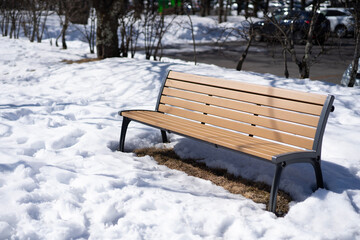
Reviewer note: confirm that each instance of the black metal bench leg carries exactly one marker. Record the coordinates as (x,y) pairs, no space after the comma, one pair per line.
(318,174)
(275,186)
(124,126)
(164,137)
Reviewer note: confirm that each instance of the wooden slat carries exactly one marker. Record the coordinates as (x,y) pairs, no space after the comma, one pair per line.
(264,90)
(280,114)
(247,97)
(244,128)
(251,146)
(271,147)
(192,132)
(234,115)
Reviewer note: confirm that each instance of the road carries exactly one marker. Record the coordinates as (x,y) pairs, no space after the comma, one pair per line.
(262,58)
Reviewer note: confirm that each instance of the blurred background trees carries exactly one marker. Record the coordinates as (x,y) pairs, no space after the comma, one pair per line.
(113,27)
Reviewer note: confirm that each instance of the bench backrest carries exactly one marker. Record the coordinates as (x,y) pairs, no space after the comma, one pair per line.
(285,116)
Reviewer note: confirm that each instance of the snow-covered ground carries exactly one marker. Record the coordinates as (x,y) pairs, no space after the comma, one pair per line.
(61,178)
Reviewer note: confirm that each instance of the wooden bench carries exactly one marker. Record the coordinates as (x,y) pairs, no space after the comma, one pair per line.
(277,125)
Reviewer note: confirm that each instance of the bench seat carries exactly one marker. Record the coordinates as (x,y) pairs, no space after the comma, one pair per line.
(222,137)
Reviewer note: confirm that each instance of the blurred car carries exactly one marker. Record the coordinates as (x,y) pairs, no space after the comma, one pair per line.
(231,5)
(295,24)
(282,4)
(190,7)
(323,4)
(341,21)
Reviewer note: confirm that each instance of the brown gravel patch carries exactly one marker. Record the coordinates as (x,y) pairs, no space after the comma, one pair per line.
(84,60)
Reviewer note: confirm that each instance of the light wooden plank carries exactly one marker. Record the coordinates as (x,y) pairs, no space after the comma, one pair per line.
(259,89)
(191,132)
(272,147)
(280,114)
(247,97)
(238,116)
(245,128)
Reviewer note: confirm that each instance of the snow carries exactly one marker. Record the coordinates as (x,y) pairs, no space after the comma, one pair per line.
(61,178)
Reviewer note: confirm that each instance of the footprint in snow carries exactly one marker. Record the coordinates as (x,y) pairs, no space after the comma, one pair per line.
(5,130)
(112,215)
(69,140)
(14,116)
(33,211)
(22,140)
(34,148)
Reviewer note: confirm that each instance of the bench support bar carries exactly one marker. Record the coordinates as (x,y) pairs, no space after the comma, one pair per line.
(163,136)
(124,127)
(276,180)
(318,174)
(275,187)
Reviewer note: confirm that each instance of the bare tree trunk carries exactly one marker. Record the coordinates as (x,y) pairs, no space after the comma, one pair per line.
(40,30)
(89,33)
(162,29)
(123,49)
(203,11)
(2,17)
(239,2)
(149,32)
(129,33)
(139,8)
(154,28)
(244,54)
(266,8)
(107,41)
(15,15)
(13,26)
(226,12)
(246,8)
(63,32)
(256,4)
(304,69)
(355,62)
(5,23)
(221,11)
(193,38)
(303,4)
(286,70)
(291,5)
(208,7)
(34,10)
(134,37)
(34,24)
(19,27)
(284,52)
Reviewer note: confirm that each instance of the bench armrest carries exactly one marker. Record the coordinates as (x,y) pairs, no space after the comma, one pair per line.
(132,110)
(295,157)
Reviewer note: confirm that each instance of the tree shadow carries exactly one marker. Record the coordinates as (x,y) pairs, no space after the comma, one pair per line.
(339,178)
